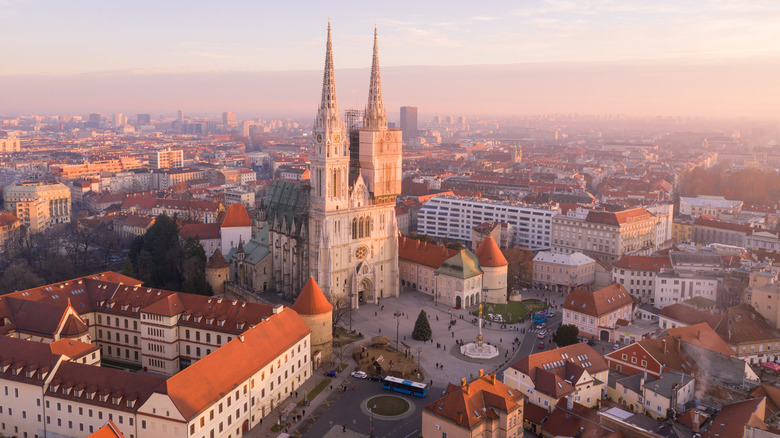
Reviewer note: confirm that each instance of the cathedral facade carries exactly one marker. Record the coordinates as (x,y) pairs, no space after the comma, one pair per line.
(340,228)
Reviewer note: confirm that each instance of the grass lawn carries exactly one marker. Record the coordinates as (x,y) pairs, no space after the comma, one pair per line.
(388,405)
(343,336)
(517,309)
(318,389)
(120,365)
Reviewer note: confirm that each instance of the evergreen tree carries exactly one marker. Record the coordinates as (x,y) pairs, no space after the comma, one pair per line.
(567,334)
(422,329)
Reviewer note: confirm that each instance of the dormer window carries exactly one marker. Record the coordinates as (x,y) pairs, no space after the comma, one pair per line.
(54,388)
(209,321)
(185,317)
(66,391)
(220,323)
(30,373)
(198,318)
(240,325)
(124,307)
(115,401)
(103,397)
(78,392)
(90,396)
(136,309)
(130,403)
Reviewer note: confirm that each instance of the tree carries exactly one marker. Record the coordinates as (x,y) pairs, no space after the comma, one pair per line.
(19,276)
(341,310)
(567,334)
(520,269)
(422,329)
(158,256)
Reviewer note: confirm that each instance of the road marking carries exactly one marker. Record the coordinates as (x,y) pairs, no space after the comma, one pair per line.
(411,434)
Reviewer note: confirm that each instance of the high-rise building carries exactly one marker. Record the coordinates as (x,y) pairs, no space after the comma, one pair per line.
(167,159)
(119,120)
(180,116)
(409,122)
(144,119)
(229,119)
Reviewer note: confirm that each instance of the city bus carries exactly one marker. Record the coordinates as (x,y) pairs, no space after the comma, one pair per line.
(405,386)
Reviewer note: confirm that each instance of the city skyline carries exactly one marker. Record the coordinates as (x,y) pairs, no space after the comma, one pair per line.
(710,59)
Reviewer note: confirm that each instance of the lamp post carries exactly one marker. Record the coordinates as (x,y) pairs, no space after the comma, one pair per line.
(350,310)
(397,324)
(371,409)
(435,289)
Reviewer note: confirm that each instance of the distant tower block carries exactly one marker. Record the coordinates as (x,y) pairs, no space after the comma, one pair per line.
(409,123)
(217,272)
(315,310)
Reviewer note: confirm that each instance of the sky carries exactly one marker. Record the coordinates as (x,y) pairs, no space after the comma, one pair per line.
(708,57)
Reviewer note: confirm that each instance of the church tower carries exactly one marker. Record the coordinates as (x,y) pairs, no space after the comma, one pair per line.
(353,245)
(380,148)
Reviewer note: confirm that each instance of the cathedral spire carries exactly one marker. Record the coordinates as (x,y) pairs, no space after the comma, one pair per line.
(328,110)
(376,116)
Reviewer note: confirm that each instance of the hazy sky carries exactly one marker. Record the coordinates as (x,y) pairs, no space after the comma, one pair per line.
(62,47)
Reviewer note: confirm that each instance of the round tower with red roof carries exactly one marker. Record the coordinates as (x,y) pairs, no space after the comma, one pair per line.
(494,268)
(316,311)
(217,272)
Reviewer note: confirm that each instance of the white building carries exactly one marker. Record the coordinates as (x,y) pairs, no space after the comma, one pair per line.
(238,195)
(236,228)
(57,194)
(455,217)
(560,272)
(638,274)
(763,239)
(706,204)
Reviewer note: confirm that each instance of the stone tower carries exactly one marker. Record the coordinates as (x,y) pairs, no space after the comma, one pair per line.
(494,268)
(315,310)
(217,272)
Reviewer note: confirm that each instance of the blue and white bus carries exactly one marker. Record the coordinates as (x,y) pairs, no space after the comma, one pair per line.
(405,386)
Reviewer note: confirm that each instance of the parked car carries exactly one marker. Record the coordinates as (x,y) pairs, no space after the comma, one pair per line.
(375,377)
(359,374)
(540,326)
(616,346)
(540,345)
(591,342)
(332,373)
(542,334)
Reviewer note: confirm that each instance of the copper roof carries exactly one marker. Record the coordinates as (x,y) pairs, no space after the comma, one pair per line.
(489,254)
(311,300)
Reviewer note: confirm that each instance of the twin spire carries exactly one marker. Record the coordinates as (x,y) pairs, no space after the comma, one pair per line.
(375,116)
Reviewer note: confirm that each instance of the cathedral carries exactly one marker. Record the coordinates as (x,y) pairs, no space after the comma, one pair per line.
(340,227)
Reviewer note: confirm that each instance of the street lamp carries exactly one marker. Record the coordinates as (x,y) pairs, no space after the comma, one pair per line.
(350,310)
(371,409)
(397,324)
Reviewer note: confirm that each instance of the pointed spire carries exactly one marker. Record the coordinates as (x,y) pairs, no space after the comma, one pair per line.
(328,105)
(376,116)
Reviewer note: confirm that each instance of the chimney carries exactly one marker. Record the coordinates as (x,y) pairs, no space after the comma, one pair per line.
(569,402)
(493,378)
(460,417)
(695,421)
(698,334)
(664,342)
(679,344)
(463,382)
(481,372)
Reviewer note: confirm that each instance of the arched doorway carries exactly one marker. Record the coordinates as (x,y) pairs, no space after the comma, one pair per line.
(365,290)
(604,335)
(245,427)
(457,302)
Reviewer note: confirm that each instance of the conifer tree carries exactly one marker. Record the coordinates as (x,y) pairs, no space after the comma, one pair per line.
(422,329)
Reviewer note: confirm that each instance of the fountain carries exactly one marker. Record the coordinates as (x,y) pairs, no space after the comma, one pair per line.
(479,349)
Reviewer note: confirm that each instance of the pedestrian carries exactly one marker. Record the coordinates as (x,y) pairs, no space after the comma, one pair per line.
(380,329)
(453,334)
(383,307)
(304,412)
(437,364)
(296,394)
(374,313)
(344,427)
(501,340)
(431,382)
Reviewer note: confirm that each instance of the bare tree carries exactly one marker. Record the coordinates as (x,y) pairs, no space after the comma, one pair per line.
(341,310)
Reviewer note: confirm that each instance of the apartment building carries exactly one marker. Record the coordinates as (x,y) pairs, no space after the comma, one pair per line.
(546,377)
(707,230)
(166,159)
(455,217)
(764,296)
(34,214)
(642,394)
(597,314)
(10,144)
(57,195)
(605,235)
(638,274)
(691,275)
(9,225)
(563,272)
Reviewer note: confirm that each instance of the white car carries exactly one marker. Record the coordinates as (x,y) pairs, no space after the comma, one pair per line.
(616,346)
(359,374)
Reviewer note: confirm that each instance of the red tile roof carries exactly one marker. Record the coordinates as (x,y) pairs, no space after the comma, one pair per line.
(690,315)
(702,221)
(620,217)
(108,431)
(201,231)
(201,384)
(217,260)
(489,254)
(472,403)
(7,219)
(600,302)
(311,300)
(26,356)
(556,361)
(423,253)
(702,335)
(642,263)
(72,348)
(236,216)
(732,419)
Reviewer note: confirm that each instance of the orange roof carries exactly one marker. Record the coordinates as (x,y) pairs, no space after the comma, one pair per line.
(217,260)
(489,254)
(690,315)
(201,384)
(423,253)
(598,302)
(108,431)
(72,348)
(311,300)
(579,354)
(236,216)
(702,335)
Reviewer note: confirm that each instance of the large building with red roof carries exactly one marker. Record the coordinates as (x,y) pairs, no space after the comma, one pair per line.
(599,313)
(201,354)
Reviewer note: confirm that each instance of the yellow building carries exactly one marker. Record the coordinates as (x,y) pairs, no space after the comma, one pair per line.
(682,230)
(34,214)
(57,195)
(482,407)
(9,224)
